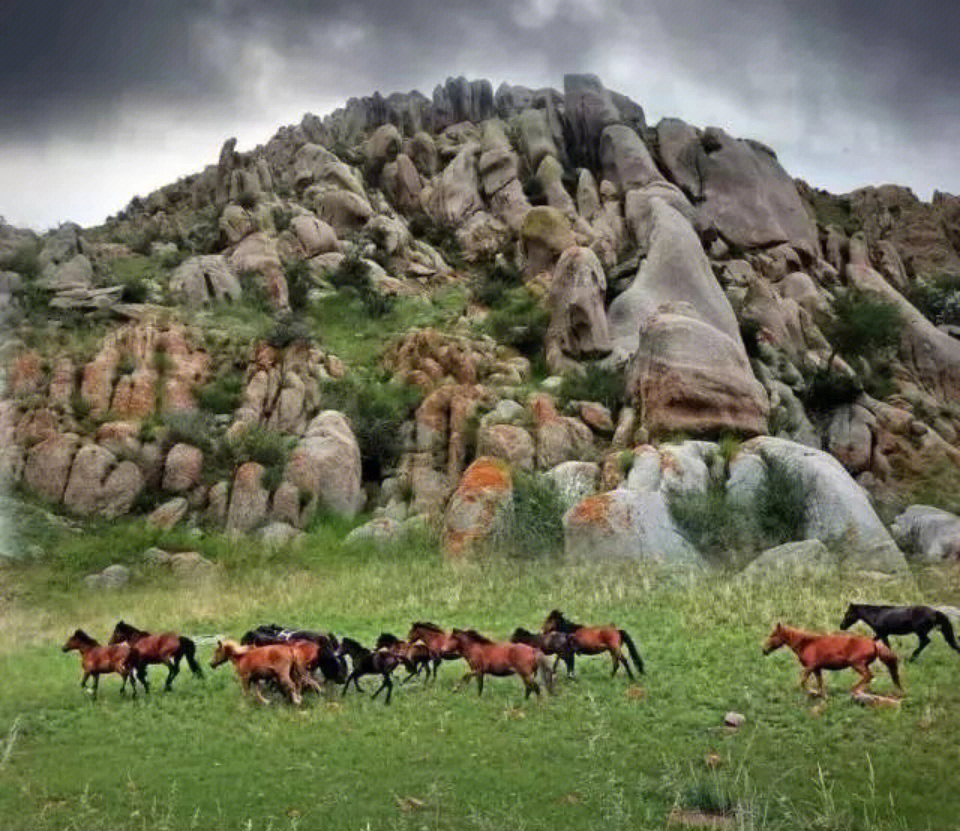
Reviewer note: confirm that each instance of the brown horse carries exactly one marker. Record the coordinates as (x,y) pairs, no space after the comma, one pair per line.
(414,655)
(592,640)
(167,648)
(817,652)
(551,643)
(97,660)
(439,642)
(484,657)
(278,662)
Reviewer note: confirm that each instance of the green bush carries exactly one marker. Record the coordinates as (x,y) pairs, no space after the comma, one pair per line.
(281,219)
(862,326)
(289,329)
(827,389)
(376,410)
(353,277)
(533,524)
(25,260)
(440,235)
(299,282)
(254,292)
(493,279)
(726,530)
(519,321)
(221,395)
(597,383)
(937,298)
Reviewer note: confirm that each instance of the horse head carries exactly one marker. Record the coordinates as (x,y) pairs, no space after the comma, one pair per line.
(553,621)
(120,632)
(78,640)
(775,640)
(851,617)
(221,653)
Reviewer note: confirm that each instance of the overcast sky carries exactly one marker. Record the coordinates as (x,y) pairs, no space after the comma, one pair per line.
(100,101)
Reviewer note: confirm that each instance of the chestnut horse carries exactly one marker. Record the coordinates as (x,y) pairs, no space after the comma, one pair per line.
(817,652)
(551,643)
(167,648)
(322,654)
(277,662)
(484,657)
(592,640)
(414,655)
(439,643)
(97,660)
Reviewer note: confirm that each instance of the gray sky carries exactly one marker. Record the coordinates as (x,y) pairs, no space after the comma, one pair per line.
(100,101)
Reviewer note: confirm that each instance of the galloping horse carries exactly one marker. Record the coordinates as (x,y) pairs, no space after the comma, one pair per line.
(277,662)
(439,643)
(592,640)
(414,655)
(901,620)
(167,648)
(321,655)
(97,660)
(364,661)
(817,652)
(484,657)
(550,643)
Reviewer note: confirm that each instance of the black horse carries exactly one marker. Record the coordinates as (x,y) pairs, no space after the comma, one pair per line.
(551,643)
(901,620)
(331,664)
(414,655)
(365,661)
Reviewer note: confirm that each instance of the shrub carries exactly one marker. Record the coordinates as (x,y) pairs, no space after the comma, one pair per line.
(254,291)
(828,389)
(725,529)
(862,326)
(376,410)
(493,280)
(597,383)
(127,363)
(297,273)
(533,524)
(281,219)
(204,236)
(353,276)
(519,321)
(266,447)
(191,427)
(440,235)
(221,395)
(25,260)
(937,298)
(289,329)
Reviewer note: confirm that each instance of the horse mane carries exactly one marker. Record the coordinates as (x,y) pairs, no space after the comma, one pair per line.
(387,638)
(350,644)
(474,635)
(425,624)
(520,632)
(83,636)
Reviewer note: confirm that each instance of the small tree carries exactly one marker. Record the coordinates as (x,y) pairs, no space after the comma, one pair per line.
(863,325)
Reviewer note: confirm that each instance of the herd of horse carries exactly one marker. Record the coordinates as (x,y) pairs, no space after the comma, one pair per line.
(292,659)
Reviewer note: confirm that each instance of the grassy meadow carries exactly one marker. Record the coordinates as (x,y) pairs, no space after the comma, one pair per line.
(601,752)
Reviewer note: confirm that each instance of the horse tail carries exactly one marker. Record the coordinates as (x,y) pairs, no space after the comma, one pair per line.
(889,657)
(632,649)
(943,622)
(546,674)
(189,651)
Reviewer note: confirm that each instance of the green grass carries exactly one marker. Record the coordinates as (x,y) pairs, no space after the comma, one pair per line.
(596,754)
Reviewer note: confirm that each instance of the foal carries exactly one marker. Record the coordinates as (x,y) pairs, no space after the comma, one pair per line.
(592,640)
(817,652)
(167,648)
(278,662)
(484,657)
(364,661)
(415,656)
(901,620)
(97,660)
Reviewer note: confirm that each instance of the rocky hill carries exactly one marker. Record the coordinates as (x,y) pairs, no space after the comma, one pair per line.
(426,307)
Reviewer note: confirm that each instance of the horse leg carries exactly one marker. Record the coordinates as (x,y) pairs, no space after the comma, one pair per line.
(571,669)
(626,665)
(821,691)
(924,640)
(531,686)
(804,675)
(616,662)
(173,668)
(466,678)
(96,683)
(142,675)
(865,677)
(83,681)
(479,683)
(286,681)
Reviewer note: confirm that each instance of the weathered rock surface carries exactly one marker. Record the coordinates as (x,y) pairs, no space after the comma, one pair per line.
(326,464)
(476,507)
(929,535)
(206,279)
(806,557)
(578,324)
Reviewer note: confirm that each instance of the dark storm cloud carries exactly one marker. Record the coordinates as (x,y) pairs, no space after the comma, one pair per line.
(847,91)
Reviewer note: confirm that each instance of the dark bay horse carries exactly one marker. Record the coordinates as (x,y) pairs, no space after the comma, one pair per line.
(901,620)
(414,655)
(97,660)
(439,642)
(549,643)
(486,657)
(592,640)
(277,662)
(365,661)
(817,652)
(167,648)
